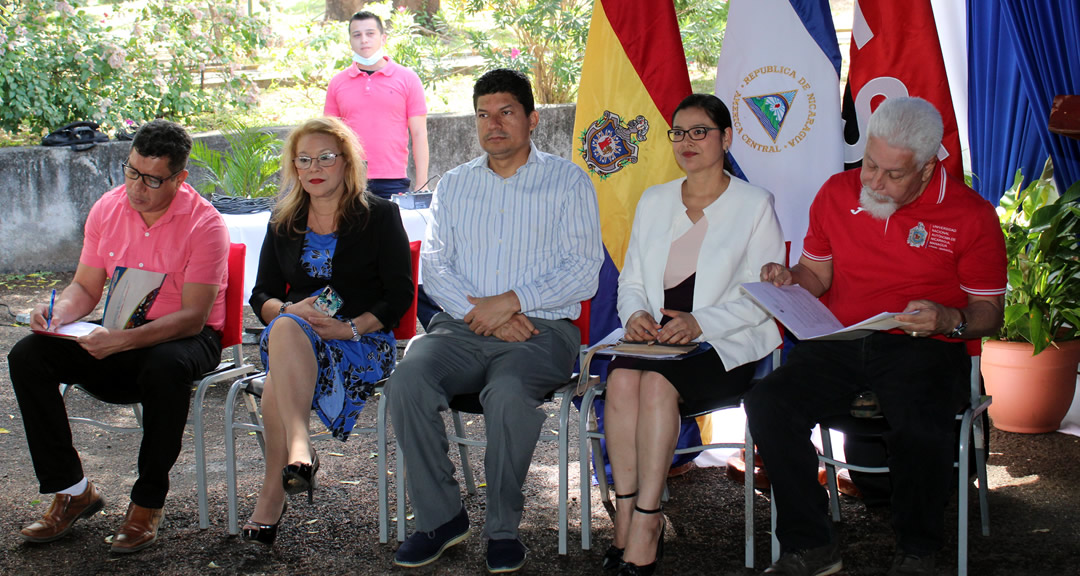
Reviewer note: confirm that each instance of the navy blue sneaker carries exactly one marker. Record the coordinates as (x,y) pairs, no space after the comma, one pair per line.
(423,548)
(505,555)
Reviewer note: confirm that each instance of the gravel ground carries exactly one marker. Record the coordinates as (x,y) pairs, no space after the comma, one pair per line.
(1034,503)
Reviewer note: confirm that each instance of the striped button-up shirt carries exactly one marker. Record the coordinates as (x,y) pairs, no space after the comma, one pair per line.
(536,233)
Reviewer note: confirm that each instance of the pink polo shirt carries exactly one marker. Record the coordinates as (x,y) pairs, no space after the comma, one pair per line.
(189,243)
(377,107)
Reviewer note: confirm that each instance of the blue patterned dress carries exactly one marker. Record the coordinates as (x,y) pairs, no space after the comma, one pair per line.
(348,370)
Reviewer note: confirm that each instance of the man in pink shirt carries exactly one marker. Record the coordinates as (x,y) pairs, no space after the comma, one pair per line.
(153,221)
(383,102)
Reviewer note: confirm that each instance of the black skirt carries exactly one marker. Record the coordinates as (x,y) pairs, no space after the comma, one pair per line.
(701,380)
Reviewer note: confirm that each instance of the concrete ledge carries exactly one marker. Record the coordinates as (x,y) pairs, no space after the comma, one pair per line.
(46,193)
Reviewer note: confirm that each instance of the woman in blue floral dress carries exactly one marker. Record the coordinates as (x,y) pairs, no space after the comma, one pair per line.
(326,230)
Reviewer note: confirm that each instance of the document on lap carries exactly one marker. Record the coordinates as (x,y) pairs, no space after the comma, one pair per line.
(808,318)
(70,331)
(614,345)
(132,292)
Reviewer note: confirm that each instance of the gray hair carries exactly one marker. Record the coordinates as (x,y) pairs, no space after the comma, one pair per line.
(911,123)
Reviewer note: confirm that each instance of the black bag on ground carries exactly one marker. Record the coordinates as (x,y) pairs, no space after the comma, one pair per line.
(78,135)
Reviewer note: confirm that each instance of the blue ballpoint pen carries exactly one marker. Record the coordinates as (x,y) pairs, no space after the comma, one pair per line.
(52,300)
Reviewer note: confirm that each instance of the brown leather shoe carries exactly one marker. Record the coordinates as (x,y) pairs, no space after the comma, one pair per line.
(139,530)
(62,514)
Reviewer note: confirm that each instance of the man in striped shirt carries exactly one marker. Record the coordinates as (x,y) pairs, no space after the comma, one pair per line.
(513,248)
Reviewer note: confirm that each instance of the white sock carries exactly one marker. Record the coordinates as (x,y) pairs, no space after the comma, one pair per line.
(77,489)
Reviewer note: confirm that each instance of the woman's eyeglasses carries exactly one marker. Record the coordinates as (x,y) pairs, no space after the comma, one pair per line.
(693,133)
(325,160)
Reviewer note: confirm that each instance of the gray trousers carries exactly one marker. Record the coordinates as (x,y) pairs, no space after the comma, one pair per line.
(512,379)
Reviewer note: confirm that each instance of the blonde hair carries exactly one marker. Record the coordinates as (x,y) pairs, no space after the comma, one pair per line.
(293,201)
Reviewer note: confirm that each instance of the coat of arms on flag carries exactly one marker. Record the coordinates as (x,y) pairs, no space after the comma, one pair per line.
(771,110)
(608,145)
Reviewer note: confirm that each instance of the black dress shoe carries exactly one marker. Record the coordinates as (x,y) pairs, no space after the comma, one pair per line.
(612,558)
(264,534)
(297,478)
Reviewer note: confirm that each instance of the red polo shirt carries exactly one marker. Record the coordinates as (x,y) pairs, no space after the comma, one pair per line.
(941,247)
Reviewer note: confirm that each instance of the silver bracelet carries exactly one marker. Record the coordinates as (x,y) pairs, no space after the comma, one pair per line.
(355,332)
(284,305)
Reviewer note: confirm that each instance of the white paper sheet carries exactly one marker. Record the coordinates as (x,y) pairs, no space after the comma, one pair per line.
(808,318)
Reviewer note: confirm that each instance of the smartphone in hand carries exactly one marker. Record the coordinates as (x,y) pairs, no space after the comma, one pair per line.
(328,302)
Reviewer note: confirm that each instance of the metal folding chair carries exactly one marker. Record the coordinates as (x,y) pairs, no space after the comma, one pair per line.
(232,340)
(252,389)
(589,436)
(470,403)
(973,428)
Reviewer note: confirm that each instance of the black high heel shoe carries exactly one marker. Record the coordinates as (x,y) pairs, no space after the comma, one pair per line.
(297,478)
(264,534)
(613,555)
(631,569)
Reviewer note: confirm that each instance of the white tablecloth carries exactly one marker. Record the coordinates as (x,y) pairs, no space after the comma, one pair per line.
(249,229)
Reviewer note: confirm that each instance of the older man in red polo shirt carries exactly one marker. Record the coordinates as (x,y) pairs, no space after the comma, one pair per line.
(153,221)
(897,234)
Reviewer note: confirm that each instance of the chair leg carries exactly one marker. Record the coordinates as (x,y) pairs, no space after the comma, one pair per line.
(463,450)
(564,463)
(830,474)
(980,469)
(772,526)
(382,472)
(200,455)
(584,477)
(402,503)
(748,497)
(230,458)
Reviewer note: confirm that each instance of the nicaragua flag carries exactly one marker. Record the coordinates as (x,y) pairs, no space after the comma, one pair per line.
(632,78)
(779,74)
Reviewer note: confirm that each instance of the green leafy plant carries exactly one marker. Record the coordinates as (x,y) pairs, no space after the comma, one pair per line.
(248,170)
(702,24)
(1042,232)
(548,42)
(63,60)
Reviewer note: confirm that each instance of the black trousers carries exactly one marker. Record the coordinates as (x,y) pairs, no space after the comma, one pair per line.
(159,377)
(921,383)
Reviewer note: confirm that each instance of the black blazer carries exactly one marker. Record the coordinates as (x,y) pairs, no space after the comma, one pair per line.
(371,267)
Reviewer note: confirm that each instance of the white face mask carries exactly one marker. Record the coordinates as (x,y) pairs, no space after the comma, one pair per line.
(369,61)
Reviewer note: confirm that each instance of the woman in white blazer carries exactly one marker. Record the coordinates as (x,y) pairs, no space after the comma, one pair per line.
(694,241)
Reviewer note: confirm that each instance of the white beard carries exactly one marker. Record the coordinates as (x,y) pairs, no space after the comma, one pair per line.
(880,207)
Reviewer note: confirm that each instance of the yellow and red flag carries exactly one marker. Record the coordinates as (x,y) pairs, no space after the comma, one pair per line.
(632,78)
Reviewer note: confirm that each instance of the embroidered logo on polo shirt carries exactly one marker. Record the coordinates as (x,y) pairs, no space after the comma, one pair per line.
(916,237)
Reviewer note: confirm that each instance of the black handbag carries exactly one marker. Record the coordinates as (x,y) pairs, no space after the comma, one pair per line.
(78,135)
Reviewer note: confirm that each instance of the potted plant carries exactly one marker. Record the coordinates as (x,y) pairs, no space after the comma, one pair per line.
(244,179)
(1030,369)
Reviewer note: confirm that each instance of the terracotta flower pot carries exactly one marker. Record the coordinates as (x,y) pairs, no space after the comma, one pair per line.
(1032,394)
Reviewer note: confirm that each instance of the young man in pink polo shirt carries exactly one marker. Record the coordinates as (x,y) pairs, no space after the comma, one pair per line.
(153,221)
(383,102)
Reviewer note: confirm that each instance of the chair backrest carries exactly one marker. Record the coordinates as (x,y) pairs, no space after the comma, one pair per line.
(582,321)
(406,328)
(233,332)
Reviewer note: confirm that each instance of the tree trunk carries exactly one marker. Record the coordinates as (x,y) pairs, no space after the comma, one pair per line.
(342,10)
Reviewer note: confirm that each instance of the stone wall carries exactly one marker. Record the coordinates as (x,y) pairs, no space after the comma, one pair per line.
(46,193)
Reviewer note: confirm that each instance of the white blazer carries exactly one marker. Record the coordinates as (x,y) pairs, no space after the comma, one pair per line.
(743,235)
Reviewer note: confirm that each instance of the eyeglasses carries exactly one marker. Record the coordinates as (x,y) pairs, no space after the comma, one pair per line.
(325,160)
(694,133)
(154,182)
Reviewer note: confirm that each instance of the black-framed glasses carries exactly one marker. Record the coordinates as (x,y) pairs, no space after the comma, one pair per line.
(154,182)
(325,160)
(694,133)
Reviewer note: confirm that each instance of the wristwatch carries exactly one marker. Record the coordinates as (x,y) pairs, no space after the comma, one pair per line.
(958,332)
(355,332)
(284,305)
